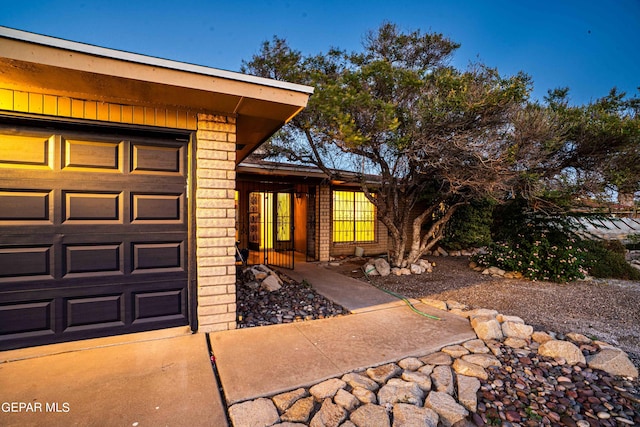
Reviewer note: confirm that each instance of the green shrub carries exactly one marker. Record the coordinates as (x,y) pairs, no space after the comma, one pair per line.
(470,226)
(605,259)
(511,219)
(614,246)
(634,242)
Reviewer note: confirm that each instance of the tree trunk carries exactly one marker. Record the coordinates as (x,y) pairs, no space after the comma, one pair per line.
(421,243)
(396,250)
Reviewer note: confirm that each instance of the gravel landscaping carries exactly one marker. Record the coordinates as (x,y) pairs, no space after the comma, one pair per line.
(293,302)
(608,310)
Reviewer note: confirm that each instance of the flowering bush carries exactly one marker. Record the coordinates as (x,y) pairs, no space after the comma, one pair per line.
(552,254)
(550,248)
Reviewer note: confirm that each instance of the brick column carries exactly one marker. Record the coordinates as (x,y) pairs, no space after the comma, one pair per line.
(215,222)
(324,215)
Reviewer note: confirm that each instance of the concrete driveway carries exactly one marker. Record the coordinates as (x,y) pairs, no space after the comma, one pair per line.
(147,379)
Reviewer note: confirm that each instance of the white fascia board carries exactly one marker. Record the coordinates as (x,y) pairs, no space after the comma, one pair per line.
(88,49)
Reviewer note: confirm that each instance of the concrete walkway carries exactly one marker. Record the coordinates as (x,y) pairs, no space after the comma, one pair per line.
(257,362)
(352,294)
(147,379)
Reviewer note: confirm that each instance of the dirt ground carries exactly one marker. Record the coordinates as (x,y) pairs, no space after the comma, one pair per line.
(607,310)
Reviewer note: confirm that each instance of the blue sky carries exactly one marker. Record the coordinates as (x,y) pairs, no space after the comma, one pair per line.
(589,45)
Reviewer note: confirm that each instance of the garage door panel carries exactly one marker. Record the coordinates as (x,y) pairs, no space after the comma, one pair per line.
(81,155)
(90,255)
(54,315)
(157,207)
(92,207)
(33,152)
(28,319)
(157,159)
(19,207)
(25,263)
(98,312)
(90,260)
(156,257)
(154,306)
(78,284)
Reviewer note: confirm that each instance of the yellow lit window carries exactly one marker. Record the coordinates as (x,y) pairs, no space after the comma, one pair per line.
(354,217)
(283,217)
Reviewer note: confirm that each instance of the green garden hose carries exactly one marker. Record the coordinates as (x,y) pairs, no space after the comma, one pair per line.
(403,298)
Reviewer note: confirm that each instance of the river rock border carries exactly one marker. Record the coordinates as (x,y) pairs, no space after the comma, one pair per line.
(510,375)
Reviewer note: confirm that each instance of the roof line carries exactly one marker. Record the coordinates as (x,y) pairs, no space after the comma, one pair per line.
(89,49)
(283,168)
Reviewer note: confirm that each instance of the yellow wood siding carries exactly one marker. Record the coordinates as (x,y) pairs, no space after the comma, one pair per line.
(60,106)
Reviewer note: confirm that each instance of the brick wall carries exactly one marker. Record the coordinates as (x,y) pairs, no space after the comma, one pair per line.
(323,214)
(215,222)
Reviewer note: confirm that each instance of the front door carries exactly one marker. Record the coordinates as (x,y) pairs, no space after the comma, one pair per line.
(271,228)
(280,254)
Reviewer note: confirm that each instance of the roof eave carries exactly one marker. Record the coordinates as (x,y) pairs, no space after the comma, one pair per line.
(46,65)
(89,49)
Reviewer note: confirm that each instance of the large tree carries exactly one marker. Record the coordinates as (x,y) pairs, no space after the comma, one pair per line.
(434,136)
(600,155)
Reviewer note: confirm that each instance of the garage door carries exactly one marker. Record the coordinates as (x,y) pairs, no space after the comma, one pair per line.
(93,233)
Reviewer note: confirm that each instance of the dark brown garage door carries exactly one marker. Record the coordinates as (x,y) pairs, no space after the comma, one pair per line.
(93,233)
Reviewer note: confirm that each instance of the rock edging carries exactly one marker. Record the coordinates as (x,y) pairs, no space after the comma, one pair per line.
(509,375)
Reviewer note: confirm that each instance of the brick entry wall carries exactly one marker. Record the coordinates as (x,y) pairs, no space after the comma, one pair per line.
(323,213)
(215,222)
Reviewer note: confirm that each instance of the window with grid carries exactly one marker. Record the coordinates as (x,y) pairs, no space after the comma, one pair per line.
(283,217)
(354,217)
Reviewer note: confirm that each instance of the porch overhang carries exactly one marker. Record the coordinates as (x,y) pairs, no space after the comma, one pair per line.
(275,169)
(35,63)
(306,172)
